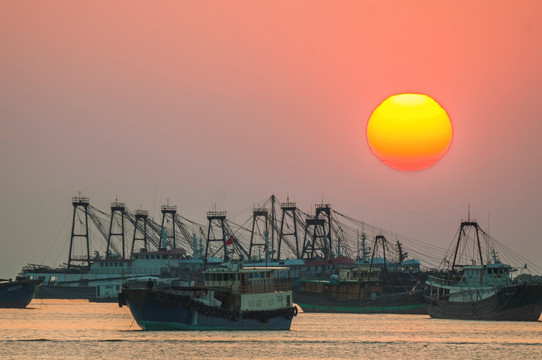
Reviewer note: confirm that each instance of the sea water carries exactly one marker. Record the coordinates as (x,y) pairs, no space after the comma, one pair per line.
(77,329)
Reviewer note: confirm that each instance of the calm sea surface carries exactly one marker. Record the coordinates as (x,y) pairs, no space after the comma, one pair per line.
(75,329)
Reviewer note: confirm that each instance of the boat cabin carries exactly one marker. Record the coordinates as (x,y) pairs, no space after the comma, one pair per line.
(248,279)
(473,277)
(485,275)
(250,288)
(362,273)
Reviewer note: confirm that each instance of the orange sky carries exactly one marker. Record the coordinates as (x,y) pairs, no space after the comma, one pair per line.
(225,102)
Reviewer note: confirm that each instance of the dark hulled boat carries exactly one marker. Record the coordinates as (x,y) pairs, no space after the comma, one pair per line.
(18,293)
(361,292)
(372,287)
(481,291)
(231,298)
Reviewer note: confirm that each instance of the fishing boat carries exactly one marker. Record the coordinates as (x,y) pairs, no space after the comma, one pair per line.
(377,286)
(232,297)
(103,279)
(18,293)
(481,290)
(100,277)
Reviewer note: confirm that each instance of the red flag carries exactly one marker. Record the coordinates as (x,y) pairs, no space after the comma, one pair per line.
(229,241)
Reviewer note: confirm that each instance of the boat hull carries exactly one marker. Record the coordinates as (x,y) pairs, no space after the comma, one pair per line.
(153,313)
(66,292)
(17,294)
(522,302)
(404,303)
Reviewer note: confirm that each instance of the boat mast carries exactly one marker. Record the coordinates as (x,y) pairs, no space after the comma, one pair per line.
(273,225)
(82,204)
(465,224)
(478,241)
(383,241)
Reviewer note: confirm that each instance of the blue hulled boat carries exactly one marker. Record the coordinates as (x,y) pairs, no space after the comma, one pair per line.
(231,298)
(18,293)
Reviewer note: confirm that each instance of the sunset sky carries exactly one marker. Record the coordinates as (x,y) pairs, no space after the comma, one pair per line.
(223,103)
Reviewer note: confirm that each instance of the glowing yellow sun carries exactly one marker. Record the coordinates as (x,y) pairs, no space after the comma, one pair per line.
(409,132)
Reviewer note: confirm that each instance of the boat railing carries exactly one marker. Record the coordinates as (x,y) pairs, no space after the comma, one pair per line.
(443,281)
(265,287)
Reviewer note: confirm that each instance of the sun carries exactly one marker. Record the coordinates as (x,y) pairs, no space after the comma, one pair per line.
(409,132)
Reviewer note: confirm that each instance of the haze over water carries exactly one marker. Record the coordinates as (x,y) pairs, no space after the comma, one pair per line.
(73,329)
